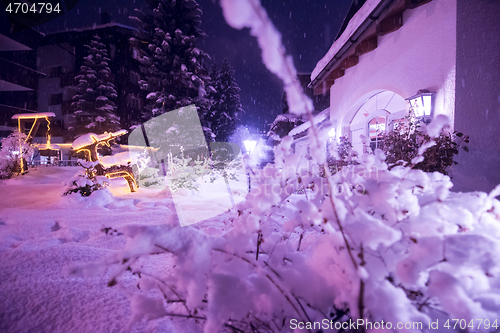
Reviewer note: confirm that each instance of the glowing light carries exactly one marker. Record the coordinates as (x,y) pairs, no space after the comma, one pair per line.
(35,117)
(332,132)
(118,172)
(31,130)
(85,150)
(90,148)
(124,174)
(421,103)
(48,132)
(249,145)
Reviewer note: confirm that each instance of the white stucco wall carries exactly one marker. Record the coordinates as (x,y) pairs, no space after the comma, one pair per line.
(420,55)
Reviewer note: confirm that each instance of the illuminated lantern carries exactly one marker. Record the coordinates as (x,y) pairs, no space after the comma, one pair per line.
(249,145)
(421,103)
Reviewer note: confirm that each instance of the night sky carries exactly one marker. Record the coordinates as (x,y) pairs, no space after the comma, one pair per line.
(308,29)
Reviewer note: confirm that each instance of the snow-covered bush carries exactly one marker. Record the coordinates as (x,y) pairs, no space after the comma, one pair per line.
(144,161)
(367,244)
(85,181)
(402,144)
(184,172)
(13,153)
(147,170)
(226,161)
(387,245)
(342,155)
(149,177)
(226,169)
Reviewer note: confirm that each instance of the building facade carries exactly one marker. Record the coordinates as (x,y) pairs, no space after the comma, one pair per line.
(19,79)
(60,56)
(392,49)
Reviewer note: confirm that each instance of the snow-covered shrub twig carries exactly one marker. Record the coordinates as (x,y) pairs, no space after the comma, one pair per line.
(183,172)
(85,181)
(225,169)
(403,144)
(421,251)
(251,14)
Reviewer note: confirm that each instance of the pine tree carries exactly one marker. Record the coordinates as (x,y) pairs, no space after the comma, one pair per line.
(226,105)
(171,64)
(95,93)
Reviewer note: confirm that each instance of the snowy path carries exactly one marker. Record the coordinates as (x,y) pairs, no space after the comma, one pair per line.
(41,233)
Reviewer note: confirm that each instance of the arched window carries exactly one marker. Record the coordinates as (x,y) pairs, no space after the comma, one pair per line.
(374,115)
(376,128)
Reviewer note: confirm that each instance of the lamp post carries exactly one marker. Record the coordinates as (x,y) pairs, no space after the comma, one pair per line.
(421,103)
(249,147)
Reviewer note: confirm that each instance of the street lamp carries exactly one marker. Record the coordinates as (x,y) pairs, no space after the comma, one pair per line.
(332,132)
(421,103)
(249,146)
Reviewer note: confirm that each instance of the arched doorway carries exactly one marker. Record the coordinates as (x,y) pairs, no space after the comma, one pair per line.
(376,114)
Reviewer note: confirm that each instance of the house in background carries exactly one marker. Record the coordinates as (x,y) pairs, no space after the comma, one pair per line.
(389,50)
(60,56)
(38,72)
(19,79)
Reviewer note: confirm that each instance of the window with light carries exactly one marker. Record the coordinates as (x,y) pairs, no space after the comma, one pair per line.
(376,128)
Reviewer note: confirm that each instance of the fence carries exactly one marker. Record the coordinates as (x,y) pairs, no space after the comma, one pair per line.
(34,164)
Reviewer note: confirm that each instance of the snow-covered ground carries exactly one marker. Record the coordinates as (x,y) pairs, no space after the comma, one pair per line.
(42,233)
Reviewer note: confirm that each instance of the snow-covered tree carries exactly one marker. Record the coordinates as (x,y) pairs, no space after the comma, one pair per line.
(283,124)
(95,93)
(226,104)
(171,64)
(14,150)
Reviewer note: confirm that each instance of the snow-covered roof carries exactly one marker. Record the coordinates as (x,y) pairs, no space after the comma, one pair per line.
(98,26)
(33,115)
(286,116)
(320,117)
(361,15)
(90,138)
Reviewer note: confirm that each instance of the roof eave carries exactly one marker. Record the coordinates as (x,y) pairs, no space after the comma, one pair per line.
(373,16)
